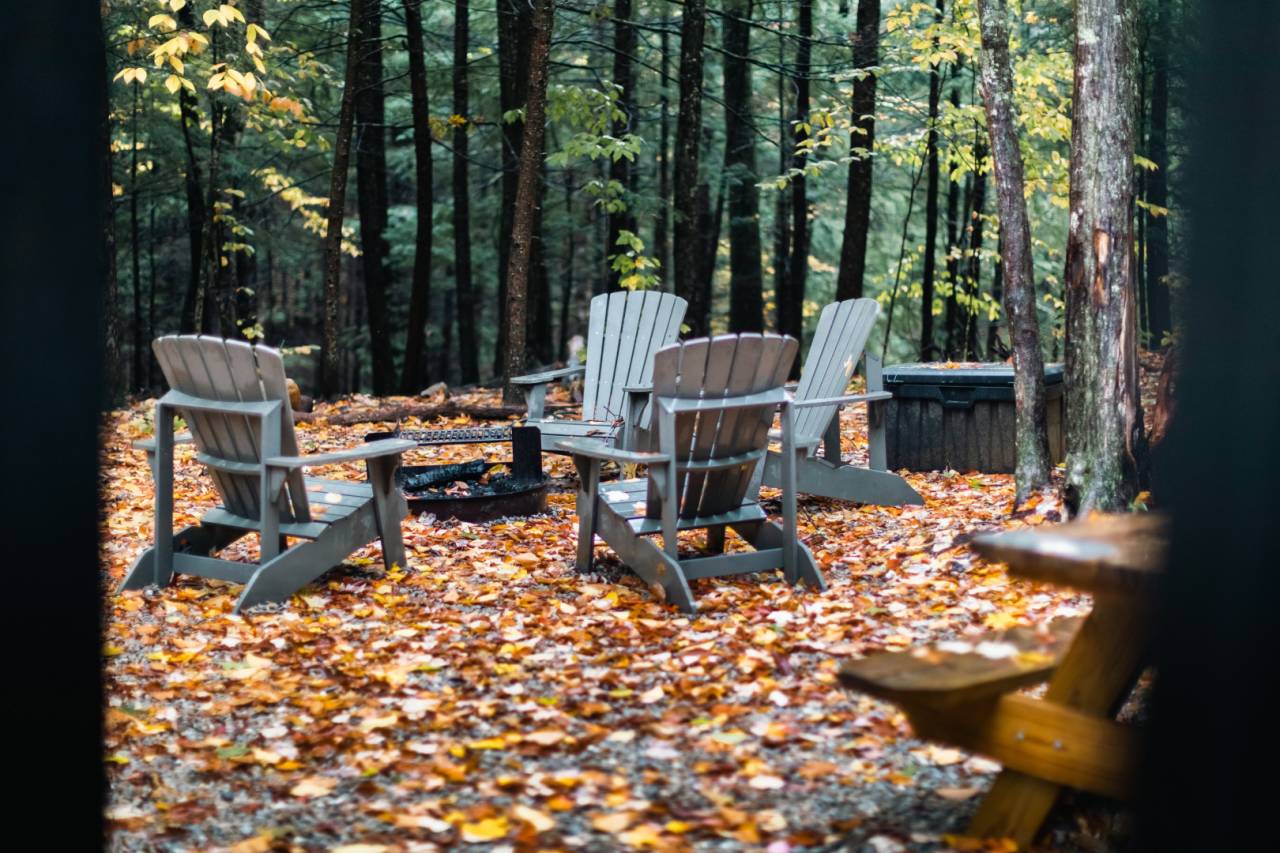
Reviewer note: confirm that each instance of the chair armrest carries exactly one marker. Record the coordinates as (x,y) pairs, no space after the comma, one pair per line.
(149,444)
(599,450)
(548,376)
(372,450)
(870,397)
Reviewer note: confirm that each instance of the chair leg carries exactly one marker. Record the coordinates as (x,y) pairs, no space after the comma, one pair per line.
(389,509)
(199,539)
(587,505)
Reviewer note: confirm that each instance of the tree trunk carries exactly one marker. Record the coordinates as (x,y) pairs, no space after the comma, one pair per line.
(956,324)
(528,197)
(791,304)
(331,380)
(624,46)
(857,216)
(1104,423)
(927,348)
(782,207)
(688,242)
(514,34)
(468,357)
(1031,469)
(414,376)
(662,223)
(371,195)
(746,279)
(135,378)
(112,366)
(977,208)
(193,299)
(1159,314)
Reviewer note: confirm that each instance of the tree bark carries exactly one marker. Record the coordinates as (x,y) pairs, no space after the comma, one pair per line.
(624,46)
(927,348)
(1031,469)
(791,304)
(955,323)
(1159,313)
(782,204)
(331,379)
(514,34)
(371,195)
(528,197)
(1104,423)
(112,366)
(746,278)
(415,375)
(468,357)
(662,223)
(193,298)
(136,381)
(973,283)
(688,255)
(857,216)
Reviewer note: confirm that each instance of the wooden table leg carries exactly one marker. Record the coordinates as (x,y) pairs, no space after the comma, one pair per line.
(1095,676)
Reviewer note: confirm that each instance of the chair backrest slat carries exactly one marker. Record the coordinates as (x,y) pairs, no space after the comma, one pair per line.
(624,330)
(219,371)
(838,342)
(713,368)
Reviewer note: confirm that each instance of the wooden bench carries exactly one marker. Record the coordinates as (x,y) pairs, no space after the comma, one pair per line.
(1069,737)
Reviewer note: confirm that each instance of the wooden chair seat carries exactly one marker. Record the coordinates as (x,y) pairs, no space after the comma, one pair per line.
(947,676)
(838,345)
(713,401)
(625,329)
(235,399)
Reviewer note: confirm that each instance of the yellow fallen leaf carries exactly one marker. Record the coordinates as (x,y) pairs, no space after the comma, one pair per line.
(645,835)
(488,829)
(488,743)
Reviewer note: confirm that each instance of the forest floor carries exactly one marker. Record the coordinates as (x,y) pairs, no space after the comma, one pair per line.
(488,696)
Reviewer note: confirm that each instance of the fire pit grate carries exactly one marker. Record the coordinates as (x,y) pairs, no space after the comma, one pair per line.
(477,490)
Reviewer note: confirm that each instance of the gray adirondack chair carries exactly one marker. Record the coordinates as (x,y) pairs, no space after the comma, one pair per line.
(838,344)
(625,329)
(714,400)
(233,397)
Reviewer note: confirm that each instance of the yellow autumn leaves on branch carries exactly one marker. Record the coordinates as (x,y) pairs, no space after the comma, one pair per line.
(174,50)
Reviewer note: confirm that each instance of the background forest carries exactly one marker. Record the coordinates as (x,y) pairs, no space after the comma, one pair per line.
(824,126)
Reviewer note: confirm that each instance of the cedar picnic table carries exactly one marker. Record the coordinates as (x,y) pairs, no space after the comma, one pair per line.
(1070,737)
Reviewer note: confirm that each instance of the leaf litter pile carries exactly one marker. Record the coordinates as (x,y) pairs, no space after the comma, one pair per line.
(487,696)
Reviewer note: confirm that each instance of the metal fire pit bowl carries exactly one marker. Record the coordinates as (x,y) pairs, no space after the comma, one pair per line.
(522,492)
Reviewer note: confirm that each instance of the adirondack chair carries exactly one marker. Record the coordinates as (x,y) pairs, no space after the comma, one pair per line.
(234,398)
(714,400)
(624,331)
(838,343)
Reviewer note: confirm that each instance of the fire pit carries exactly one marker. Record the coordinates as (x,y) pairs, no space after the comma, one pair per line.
(477,490)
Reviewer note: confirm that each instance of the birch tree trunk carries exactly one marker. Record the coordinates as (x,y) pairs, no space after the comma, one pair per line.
(1104,423)
(1031,469)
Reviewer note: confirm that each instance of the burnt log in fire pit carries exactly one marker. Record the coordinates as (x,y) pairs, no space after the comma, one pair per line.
(477,490)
